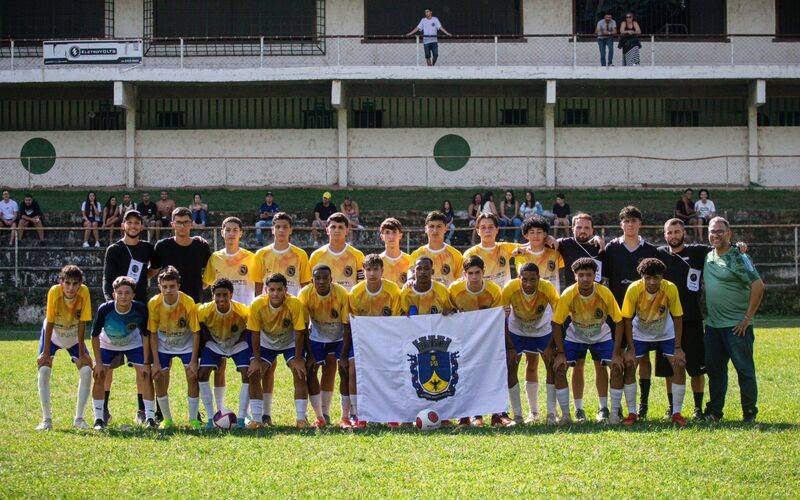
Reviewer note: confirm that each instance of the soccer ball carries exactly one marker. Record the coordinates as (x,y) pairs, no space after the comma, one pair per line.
(427,420)
(224,420)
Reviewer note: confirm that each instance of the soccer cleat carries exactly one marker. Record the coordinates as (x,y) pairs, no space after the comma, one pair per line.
(107,416)
(619,413)
(327,419)
(302,424)
(642,414)
(151,423)
(668,413)
(266,420)
(359,424)
(552,419)
(630,419)
(565,420)
(139,419)
(749,418)
(99,424)
(196,424)
(167,423)
(80,423)
(711,416)
(463,422)
(240,424)
(253,425)
(209,425)
(393,425)
(698,416)
(345,423)
(533,417)
(319,423)
(518,420)
(502,420)
(45,425)
(477,421)
(602,415)
(613,419)
(159,417)
(200,416)
(678,419)
(580,416)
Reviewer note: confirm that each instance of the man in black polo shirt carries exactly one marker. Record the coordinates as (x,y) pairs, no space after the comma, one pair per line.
(620,259)
(148,211)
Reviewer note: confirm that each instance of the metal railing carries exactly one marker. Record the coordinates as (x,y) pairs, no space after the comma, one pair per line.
(468,50)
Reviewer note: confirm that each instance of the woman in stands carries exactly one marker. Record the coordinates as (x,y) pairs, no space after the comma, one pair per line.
(199,211)
(447,210)
(92,216)
(629,32)
(473,211)
(111,217)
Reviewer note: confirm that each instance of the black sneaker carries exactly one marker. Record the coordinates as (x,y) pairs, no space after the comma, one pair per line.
(266,420)
(749,418)
(619,413)
(643,412)
(140,418)
(159,417)
(668,413)
(151,423)
(698,415)
(99,424)
(107,416)
(200,416)
(712,417)
(580,415)
(602,415)
(327,419)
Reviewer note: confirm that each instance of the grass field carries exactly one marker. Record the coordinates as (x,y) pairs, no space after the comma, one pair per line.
(729,459)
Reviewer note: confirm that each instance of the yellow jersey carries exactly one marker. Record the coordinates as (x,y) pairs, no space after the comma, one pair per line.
(239,268)
(530,314)
(396,270)
(277,325)
(588,325)
(327,314)
(385,302)
(652,313)
(447,262)
(490,295)
(496,261)
(347,266)
(292,263)
(66,314)
(549,261)
(435,301)
(227,330)
(175,324)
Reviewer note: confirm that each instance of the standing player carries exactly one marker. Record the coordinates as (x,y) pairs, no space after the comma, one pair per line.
(172,315)
(327,309)
(223,322)
(120,329)
(549,261)
(290,261)
(425,296)
(531,302)
(277,327)
(589,306)
(395,262)
(496,255)
(446,260)
(68,309)
(373,297)
(653,319)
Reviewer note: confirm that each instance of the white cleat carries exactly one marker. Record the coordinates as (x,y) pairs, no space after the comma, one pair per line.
(552,419)
(565,420)
(613,418)
(533,417)
(46,425)
(80,423)
(518,420)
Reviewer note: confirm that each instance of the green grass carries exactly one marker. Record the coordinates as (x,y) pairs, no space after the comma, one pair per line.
(651,459)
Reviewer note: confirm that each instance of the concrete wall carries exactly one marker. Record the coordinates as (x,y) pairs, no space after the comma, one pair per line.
(751,16)
(344,17)
(546,17)
(128,18)
(779,172)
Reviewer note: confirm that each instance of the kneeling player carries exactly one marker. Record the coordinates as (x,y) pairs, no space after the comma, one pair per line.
(373,297)
(223,323)
(68,309)
(531,302)
(588,305)
(120,329)
(277,325)
(653,321)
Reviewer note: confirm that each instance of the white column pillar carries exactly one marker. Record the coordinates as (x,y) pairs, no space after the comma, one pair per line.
(550,133)
(758,97)
(125,98)
(339,103)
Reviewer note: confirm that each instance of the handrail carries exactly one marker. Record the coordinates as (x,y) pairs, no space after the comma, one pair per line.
(407,157)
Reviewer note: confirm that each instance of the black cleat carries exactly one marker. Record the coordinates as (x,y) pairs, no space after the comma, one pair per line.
(643,412)
(266,420)
(151,423)
(698,415)
(159,417)
(200,416)
(99,424)
(668,413)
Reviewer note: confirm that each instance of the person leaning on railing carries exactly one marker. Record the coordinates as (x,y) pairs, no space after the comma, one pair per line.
(605,31)
(629,31)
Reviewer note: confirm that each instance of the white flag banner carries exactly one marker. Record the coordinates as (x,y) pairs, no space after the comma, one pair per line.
(455,365)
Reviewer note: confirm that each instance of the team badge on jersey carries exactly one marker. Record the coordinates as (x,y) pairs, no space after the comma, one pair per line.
(131,326)
(445,269)
(434,310)
(286,322)
(598,313)
(551,265)
(182,322)
(334,313)
(234,328)
(243,270)
(387,311)
(434,370)
(290,271)
(502,261)
(540,309)
(348,271)
(662,309)
(78,314)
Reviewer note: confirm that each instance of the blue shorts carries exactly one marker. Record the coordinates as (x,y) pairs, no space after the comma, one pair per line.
(431,49)
(269,355)
(73,351)
(164,359)
(601,351)
(321,350)
(241,358)
(530,344)
(134,356)
(667,347)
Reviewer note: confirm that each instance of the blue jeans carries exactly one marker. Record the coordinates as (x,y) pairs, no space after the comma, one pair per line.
(450,233)
(259,226)
(606,44)
(199,217)
(722,345)
(517,223)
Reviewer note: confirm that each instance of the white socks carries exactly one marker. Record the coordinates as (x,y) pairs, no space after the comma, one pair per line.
(630,397)
(316,404)
(257,407)
(97,404)
(84,386)
(149,410)
(194,406)
(579,404)
(678,392)
(219,396)
(244,401)
(616,400)
(603,401)
(301,408)
(551,399)
(345,405)
(267,398)
(353,405)
(532,392)
(562,395)
(44,392)
(327,397)
(516,400)
(163,403)
(208,398)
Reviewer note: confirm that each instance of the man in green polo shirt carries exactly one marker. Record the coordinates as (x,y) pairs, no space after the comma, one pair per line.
(733,293)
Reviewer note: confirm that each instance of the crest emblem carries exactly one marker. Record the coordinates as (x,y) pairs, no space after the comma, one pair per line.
(434,310)
(78,314)
(234,328)
(598,313)
(131,327)
(182,322)
(434,370)
(540,309)
(348,271)
(445,270)
(387,311)
(502,261)
(290,271)
(286,322)
(662,309)
(334,313)
(243,270)
(551,265)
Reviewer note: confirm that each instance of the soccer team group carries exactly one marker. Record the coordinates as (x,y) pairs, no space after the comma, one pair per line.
(279,302)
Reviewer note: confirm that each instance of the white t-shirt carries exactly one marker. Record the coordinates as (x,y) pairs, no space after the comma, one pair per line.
(430,28)
(704,210)
(606,27)
(97,209)
(9,209)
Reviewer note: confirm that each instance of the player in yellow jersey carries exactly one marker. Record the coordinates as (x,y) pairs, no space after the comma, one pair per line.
(536,230)
(425,296)
(345,261)
(471,293)
(223,326)
(373,297)
(290,261)
(530,302)
(68,309)
(496,255)
(172,317)
(654,321)
(446,259)
(395,262)
(327,310)
(277,325)
(588,305)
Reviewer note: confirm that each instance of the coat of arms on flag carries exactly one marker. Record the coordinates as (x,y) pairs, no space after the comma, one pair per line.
(434,370)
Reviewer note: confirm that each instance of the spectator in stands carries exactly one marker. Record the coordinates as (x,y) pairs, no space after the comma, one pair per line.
(148,210)
(629,31)
(30,215)
(705,210)
(430,27)
(489,206)
(265,213)
(127,204)
(9,211)
(111,217)
(530,206)
(164,208)
(561,212)
(509,215)
(350,209)
(322,211)
(92,215)
(684,208)
(473,211)
(447,210)
(199,211)
(605,31)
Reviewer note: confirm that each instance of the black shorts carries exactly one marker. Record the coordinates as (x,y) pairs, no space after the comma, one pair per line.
(693,347)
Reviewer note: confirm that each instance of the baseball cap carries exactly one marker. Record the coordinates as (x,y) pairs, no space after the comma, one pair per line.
(327,195)
(132,213)
(269,193)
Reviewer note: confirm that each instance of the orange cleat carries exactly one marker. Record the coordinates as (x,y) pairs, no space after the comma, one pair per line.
(463,422)
(631,419)
(679,419)
(345,423)
(302,424)
(502,420)
(477,421)
(319,423)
